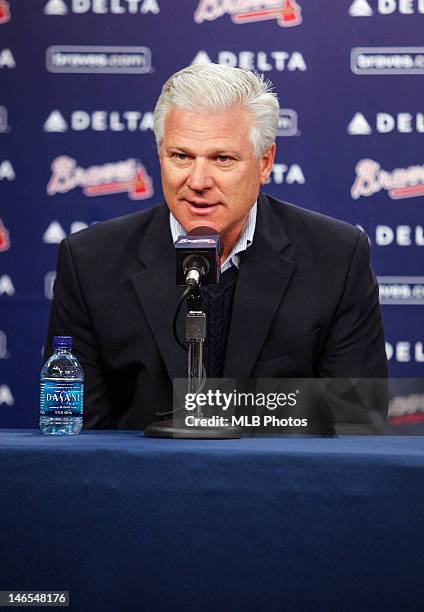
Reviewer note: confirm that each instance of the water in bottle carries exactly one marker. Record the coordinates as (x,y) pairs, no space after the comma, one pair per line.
(61,391)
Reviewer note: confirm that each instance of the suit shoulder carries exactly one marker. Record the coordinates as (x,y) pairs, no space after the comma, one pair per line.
(118,231)
(298,221)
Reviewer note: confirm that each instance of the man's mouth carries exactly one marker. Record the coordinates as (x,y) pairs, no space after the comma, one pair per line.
(205,206)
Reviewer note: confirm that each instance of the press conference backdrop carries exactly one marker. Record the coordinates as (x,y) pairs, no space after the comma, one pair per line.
(78,84)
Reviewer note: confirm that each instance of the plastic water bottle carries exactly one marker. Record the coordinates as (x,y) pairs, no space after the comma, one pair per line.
(61,391)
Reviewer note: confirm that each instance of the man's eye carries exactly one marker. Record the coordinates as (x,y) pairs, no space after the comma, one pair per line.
(223,158)
(179,156)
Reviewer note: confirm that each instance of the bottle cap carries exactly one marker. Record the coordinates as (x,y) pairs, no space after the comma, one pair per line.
(62,341)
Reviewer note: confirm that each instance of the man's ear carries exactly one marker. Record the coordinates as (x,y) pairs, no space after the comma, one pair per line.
(267,161)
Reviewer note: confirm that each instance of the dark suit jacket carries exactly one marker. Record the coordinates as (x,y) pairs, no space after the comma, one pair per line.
(305,305)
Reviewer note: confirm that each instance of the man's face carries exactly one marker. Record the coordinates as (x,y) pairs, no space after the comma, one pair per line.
(210,176)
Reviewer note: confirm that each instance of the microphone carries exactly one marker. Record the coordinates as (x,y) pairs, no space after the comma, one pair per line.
(198,257)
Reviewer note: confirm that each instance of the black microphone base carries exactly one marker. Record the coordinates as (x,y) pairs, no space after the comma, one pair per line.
(167,429)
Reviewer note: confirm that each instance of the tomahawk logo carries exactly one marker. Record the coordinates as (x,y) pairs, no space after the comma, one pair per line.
(55,122)
(360,8)
(359,126)
(4,238)
(4,11)
(288,13)
(128,176)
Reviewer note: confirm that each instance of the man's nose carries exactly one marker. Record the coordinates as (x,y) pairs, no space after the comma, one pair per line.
(200,177)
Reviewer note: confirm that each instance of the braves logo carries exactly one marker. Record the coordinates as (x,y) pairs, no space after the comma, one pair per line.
(4,238)
(400,183)
(288,13)
(128,176)
(4,11)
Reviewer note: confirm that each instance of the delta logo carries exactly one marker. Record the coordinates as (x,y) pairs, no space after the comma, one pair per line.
(4,11)
(99,121)
(6,59)
(385,123)
(6,285)
(101,7)
(55,233)
(261,61)
(360,8)
(288,13)
(363,8)
(129,176)
(4,238)
(400,183)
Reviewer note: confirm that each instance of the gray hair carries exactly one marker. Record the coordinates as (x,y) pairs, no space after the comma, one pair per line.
(214,87)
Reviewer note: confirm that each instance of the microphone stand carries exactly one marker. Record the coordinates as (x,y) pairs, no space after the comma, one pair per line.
(195,335)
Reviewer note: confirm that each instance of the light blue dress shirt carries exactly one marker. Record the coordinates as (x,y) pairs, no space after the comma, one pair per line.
(243,243)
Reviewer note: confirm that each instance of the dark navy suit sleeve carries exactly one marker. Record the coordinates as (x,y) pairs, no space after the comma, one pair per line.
(70,317)
(355,343)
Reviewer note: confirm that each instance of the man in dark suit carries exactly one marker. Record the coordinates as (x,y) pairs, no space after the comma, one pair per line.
(297,297)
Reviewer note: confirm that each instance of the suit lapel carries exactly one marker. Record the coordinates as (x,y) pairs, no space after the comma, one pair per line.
(262,281)
(157,292)
(263,277)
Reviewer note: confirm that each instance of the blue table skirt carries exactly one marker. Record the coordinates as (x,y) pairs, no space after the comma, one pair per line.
(129,523)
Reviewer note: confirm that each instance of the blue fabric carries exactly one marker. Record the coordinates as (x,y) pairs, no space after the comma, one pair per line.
(129,523)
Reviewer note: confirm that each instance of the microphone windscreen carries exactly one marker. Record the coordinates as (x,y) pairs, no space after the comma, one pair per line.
(204,230)
(202,244)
